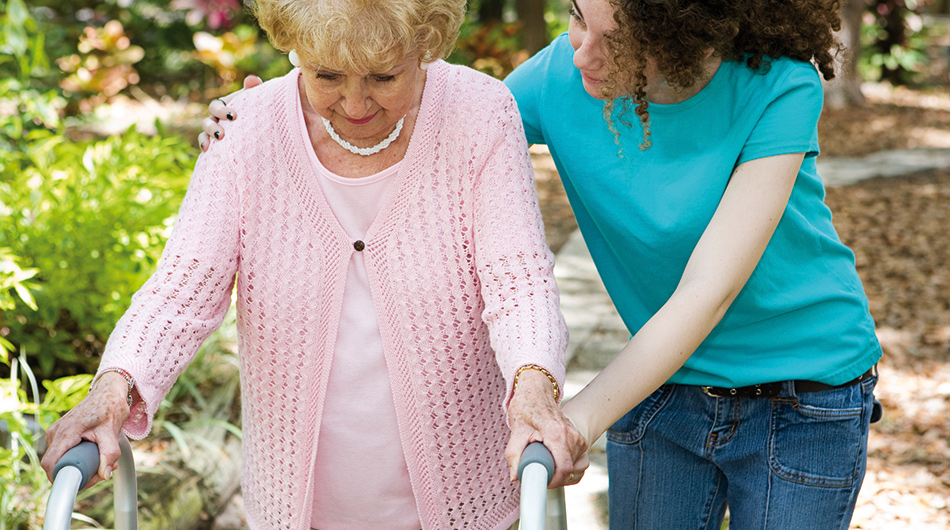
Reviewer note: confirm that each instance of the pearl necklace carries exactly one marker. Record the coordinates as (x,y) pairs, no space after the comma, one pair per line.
(363,151)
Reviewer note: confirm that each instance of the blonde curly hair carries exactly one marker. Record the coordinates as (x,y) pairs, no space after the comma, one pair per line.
(361,36)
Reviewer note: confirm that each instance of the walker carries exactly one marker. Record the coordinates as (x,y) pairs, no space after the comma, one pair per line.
(74,470)
(540,508)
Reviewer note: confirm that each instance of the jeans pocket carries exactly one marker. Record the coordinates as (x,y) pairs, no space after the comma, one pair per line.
(630,428)
(820,438)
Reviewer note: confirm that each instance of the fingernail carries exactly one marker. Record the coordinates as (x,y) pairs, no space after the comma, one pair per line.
(230,116)
(217,135)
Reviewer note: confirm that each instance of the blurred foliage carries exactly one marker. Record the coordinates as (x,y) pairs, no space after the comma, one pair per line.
(88,217)
(92,218)
(493,48)
(228,54)
(894,41)
(490,39)
(24,415)
(14,288)
(97,42)
(104,65)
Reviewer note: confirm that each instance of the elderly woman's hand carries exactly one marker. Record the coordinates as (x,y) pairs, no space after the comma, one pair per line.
(219,110)
(98,418)
(535,417)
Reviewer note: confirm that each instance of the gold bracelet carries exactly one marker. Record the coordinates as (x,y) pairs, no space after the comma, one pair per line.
(557,392)
(128,379)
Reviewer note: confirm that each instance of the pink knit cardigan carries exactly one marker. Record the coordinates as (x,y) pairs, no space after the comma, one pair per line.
(460,274)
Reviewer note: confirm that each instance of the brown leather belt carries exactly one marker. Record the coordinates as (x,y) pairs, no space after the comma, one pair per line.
(768,390)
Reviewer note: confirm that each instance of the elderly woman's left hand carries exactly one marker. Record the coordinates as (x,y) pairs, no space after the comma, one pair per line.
(535,417)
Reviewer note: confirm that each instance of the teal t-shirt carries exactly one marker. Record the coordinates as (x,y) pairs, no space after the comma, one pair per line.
(803,313)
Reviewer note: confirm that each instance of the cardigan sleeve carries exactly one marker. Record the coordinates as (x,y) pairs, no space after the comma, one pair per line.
(189,294)
(514,264)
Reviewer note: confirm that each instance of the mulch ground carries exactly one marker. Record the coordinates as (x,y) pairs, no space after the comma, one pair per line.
(898,229)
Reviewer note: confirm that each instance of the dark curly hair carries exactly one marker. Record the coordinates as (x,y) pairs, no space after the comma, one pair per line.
(677,34)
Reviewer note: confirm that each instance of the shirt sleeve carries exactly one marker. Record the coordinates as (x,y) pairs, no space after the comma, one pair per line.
(515,266)
(789,123)
(525,85)
(189,294)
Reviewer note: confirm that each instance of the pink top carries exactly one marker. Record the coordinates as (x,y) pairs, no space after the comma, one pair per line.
(462,285)
(359,417)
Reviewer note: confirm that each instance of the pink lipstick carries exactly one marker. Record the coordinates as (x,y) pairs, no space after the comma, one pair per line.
(362,121)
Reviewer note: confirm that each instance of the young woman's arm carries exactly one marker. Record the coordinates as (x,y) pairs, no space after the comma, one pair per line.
(718,268)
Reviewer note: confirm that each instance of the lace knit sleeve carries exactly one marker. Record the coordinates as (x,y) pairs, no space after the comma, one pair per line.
(514,263)
(187,297)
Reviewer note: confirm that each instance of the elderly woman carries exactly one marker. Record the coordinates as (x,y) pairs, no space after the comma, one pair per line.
(396,305)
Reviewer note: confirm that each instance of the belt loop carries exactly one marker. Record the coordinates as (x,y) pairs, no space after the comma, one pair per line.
(789,388)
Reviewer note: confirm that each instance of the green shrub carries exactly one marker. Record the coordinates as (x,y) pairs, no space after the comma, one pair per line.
(88,217)
(23,483)
(92,218)
(894,42)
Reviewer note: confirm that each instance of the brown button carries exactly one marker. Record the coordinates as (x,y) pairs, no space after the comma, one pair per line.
(359,246)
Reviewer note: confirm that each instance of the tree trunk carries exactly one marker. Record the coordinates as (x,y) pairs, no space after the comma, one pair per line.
(845,88)
(490,10)
(534,31)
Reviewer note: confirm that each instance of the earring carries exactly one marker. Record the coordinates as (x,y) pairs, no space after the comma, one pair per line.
(425,61)
(294,58)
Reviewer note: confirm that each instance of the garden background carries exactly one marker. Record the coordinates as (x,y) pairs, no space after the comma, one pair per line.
(100,104)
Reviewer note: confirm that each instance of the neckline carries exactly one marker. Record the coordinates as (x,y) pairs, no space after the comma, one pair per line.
(403,171)
(323,172)
(695,99)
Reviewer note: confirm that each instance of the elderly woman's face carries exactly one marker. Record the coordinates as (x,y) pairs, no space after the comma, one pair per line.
(364,107)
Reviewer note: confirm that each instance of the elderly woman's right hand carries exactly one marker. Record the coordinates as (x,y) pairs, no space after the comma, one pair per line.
(98,418)
(219,110)
(535,417)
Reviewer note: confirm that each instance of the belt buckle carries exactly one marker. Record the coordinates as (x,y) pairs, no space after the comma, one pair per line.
(708,390)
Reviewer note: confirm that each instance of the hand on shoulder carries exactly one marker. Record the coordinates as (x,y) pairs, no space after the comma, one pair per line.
(219,110)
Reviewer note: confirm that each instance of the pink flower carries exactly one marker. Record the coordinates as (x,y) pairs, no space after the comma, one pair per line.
(219,13)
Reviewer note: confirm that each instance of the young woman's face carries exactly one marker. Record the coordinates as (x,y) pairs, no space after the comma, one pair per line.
(364,107)
(591,22)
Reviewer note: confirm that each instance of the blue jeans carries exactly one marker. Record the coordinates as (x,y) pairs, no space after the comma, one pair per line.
(789,462)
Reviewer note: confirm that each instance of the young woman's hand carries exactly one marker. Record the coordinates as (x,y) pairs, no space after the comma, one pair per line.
(535,417)
(98,418)
(219,110)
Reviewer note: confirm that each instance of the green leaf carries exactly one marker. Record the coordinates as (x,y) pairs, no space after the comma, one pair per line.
(25,295)
(65,392)
(14,27)
(179,437)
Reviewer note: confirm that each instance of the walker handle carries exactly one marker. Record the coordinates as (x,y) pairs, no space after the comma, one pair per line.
(535,473)
(537,453)
(84,457)
(73,472)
